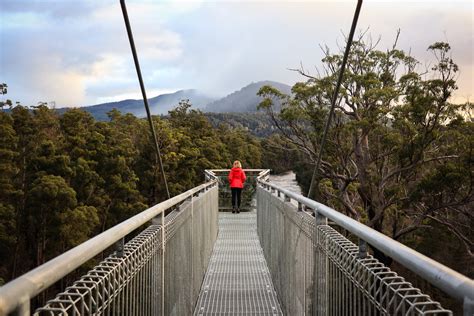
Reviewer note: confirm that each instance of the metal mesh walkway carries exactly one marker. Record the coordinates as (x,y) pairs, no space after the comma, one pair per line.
(237,281)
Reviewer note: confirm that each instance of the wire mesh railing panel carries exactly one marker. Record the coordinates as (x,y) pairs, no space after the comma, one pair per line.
(285,245)
(112,286)
(178,265)
(204,212)
(159,272)
(318,271)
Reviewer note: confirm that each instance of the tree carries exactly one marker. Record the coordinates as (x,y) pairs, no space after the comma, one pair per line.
(66,178)
(77,225)
(390,137)
(196,147)
(49,198)
(9,194)
(279,155)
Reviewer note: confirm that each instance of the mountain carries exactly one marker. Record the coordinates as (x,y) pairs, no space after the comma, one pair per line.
(244,100)
(158,105)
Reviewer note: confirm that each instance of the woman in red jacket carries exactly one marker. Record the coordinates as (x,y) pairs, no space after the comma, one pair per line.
(236,179)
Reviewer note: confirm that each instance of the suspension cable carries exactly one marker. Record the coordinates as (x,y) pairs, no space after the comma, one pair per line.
(312,189)
(142,87)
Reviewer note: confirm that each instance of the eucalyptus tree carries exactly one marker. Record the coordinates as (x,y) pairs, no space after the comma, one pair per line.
(399,154)
(9,193)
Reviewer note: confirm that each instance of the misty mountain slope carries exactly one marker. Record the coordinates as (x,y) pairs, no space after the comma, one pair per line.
(158,105)
(245,99)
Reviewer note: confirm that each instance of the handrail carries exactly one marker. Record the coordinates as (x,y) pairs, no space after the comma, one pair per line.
(453,283)
(27,286)
(245,169)
(263,174)
(209,174)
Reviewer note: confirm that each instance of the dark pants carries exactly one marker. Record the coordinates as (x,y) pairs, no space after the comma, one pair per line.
(236,193)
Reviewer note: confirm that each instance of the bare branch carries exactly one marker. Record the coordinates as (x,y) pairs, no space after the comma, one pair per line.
(468,244)
(416,164)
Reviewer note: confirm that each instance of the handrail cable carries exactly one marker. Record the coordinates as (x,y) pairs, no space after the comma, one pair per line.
(312,189)
(145,100)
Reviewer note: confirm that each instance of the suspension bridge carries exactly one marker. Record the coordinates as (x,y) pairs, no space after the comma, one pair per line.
(283,255)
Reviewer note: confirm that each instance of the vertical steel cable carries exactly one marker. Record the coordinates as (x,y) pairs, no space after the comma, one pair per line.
(142,87)
(312,189)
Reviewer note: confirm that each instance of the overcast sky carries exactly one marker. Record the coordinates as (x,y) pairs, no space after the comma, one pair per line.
(77,53)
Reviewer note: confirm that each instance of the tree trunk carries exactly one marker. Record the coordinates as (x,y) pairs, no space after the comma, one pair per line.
(368,194)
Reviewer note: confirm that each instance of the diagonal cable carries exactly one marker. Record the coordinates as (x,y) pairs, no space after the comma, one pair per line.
(312,189)
(142,87)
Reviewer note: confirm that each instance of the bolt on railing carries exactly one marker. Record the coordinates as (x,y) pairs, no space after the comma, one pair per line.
(158,272)
(316,270)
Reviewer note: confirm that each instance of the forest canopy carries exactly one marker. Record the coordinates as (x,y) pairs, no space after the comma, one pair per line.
(65,178)
(399,154)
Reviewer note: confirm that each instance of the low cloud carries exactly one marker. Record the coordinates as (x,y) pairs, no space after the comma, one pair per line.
(77,59)
(77,53)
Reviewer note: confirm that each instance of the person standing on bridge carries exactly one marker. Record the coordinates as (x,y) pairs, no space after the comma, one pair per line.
(236,180)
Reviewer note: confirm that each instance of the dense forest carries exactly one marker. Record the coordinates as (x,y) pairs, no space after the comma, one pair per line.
(65,178)
(257,123)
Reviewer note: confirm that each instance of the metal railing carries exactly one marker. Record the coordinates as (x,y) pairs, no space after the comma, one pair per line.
(315,269)
(318,271)
(158,272)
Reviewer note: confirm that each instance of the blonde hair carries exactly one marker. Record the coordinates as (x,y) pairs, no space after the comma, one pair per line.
(237,164)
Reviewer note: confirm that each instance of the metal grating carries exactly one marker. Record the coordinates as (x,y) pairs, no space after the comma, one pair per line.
(237,281)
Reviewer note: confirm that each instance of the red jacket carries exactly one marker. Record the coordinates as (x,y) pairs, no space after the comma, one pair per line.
(237,178)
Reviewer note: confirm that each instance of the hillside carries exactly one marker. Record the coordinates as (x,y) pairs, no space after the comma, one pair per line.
(245,99)
(158,105)
(241,101)
(258,124)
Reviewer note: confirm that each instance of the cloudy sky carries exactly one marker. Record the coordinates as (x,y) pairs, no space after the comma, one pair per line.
(77,53)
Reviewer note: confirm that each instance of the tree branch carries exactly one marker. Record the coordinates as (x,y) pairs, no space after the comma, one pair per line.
(468,244)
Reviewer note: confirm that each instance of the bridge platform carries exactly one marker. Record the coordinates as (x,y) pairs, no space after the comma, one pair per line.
(237,281)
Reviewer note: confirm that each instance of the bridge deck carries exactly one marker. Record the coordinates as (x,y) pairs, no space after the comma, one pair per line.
(237,280)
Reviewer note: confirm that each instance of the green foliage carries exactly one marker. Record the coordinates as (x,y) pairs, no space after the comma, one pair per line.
(78,224)
(398,154)
(279,155)
(8,153)
(64,179)
(257,123)
(8,224)
(49,197)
